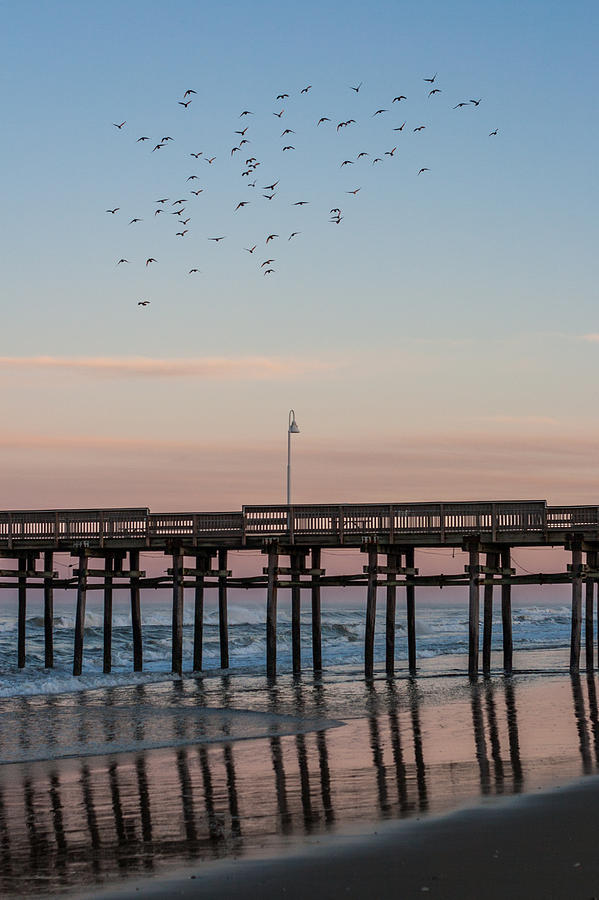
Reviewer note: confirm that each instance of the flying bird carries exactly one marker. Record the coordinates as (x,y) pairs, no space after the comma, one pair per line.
(435,91)
(346,162)
(279,114)
(378,112)
(287,131)
(234,150)
(181,233)
(306,89)
(378,159)
(196,155)
(197,193)
(167,138)
(458,105)
(390,152)
(122,261)
(177,202)
(281,96)
(142,139)
(164,199)
(301,203)
(119,126)
(158,147)
(183,103)
(217,239)
(210,160)
(400,127)
(193,178)
(289,147)
(250,249)
(423,170)
(269,196)
(149,260)
(143,302)
(293,234)
(271,237)
(323,119)
(113,211)
(242,133)
(135,220)
(494,132)
(193,270)
(354,192)
(363,153)
(335,210)
(241,204)
(185,221)
(430,80)
(188,92)
(399,99)
(420,128)
(156,211)
(268,271)
(246,112)
(270,187)
(266,262)
(476,102)
(356,89)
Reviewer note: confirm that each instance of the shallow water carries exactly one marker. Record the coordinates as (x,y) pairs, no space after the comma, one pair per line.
(253,767)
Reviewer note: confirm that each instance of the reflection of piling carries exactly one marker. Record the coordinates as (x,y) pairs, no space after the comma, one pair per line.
(418,747)
(232,790)
(480,744)
(276,751)
(584,743)
(494,738)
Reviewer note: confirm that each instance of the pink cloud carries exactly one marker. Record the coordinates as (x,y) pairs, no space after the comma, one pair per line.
(224,368)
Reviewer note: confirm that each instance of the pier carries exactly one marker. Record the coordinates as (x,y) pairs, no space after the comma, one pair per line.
(105,545)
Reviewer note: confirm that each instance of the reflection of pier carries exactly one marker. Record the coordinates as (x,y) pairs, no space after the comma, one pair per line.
(485,532)
(80,823)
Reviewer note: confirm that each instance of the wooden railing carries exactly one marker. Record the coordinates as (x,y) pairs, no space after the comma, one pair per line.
(345,523)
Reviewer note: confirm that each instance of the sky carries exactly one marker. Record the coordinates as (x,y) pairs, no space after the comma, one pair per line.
(441,342)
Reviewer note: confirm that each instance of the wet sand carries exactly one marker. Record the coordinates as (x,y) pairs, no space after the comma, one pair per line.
(541,847)
(275,785)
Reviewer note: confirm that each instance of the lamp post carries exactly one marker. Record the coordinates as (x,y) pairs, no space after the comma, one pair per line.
(292,429)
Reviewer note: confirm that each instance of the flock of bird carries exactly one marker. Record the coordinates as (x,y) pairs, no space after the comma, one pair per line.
(179,206)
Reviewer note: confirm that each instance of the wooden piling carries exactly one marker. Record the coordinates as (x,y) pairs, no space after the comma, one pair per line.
(107,636)
(296,644)
(223,618)
(576,608)
(316,614)
(198,613)
(271,612)
(589,636)
(80,614)
(492,561)
(473,611)
(370,612)
(136,612)
(392,561)
(178,599)
(22,612)
(506,612)
(411,612)
(48,610)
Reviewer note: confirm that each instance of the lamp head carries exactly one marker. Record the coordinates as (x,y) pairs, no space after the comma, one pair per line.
(293,426)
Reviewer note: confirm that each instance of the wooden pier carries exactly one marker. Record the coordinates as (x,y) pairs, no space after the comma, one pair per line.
(106,544)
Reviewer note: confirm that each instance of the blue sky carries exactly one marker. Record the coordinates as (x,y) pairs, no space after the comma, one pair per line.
(453,301)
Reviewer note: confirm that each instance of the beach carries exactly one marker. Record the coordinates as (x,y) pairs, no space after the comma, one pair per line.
(233,785)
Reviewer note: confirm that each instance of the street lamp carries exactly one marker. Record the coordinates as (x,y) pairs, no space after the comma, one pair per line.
(292,429)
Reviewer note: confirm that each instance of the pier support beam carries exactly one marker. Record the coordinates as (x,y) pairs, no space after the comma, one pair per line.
(202,564)
(576,607)
(48,611)
(271,612)
(589,630)
(316,614)
(136,612)
(296,564)
(178,597)
(370,612)
(492,562)
(223,617)
(80,614)
(109,565)
(411,612)
(22,612)
(473,610)
(506,612)
(392,563)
